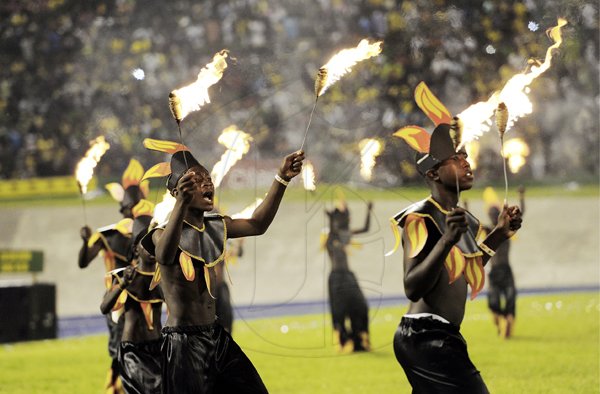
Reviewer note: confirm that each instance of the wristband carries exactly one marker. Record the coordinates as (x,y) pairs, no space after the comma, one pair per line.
(281,180)
(486,249)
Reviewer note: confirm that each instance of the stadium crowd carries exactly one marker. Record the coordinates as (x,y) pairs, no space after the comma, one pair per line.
(68,74)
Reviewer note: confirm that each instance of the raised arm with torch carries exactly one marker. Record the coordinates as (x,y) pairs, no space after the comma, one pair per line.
(340,64)
(85,168)
(192,97)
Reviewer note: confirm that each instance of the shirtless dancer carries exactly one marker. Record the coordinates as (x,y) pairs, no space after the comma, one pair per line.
(199,356)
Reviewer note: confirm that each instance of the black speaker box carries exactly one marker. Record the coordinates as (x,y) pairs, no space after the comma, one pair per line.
(27,312)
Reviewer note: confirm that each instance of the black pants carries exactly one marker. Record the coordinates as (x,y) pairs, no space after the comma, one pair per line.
(434,357)
(347,301)
(139,365)
(206,359)
(115,331)
(502,293)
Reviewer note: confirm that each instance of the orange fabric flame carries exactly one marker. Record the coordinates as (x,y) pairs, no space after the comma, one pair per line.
(416,230)
(455,263)
(417,137)
(187,266)
(158,170)
(120,301)
(475,275)
(431,105)
(163,146)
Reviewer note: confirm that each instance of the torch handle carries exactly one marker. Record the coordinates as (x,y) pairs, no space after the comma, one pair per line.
(504,167)
(309,121)
(181,140)
(84,210)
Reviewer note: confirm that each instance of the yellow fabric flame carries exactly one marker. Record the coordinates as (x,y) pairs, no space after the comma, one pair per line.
(148,314)
(455,263)
(431,105)
(163,146)
(416,231)
(133,174)
(155,278)
(143,208)
(475,275)
(187,266)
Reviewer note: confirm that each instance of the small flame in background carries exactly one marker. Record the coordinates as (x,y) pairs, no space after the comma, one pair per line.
(247,212)
(194,96)
(477,118)
(472,149)
(370,148)
(85,168)
(308,176)
(163,209)
(342,62)
(516,150)
(237,143)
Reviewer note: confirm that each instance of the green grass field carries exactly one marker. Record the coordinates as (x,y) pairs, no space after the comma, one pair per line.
(556,349)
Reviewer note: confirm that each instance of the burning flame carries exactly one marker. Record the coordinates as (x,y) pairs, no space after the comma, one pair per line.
(472,149)
(308,176)
(515,151)
(477,118)
(237,143)
(247,212)
(342,62)
(163,209)
(191,98)
(85,168)
(370,148)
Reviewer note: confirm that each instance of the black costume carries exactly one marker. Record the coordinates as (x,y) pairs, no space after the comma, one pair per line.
(434,357)
(206,359)
(223,307)
(346,299)
(199,359)
(203,359)
(116,241)
(501,284)
(432,353)
(430,349)
(140,366)
(139,362)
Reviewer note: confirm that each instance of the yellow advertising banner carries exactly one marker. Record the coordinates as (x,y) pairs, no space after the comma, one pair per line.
(41,187)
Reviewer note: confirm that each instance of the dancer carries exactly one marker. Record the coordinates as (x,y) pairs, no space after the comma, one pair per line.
(442,257)
(114,242)
(134,292)
(199,356)
(502,293)
(346,300)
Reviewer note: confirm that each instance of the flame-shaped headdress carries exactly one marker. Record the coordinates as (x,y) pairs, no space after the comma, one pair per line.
(439,145)
(132,188)
(181,161)
(142,216)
